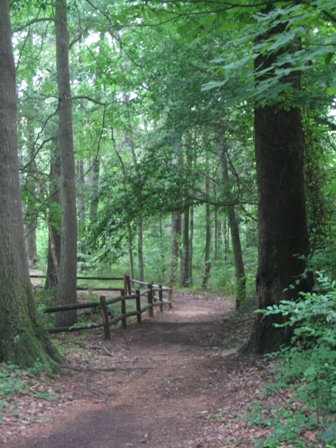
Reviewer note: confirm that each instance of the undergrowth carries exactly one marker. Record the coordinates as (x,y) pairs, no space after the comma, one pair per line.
(305,376)
(17,382)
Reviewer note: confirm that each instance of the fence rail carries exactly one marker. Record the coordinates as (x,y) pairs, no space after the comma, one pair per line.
(126,295)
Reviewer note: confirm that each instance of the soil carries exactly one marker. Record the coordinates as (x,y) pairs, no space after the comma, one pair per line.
(173,381)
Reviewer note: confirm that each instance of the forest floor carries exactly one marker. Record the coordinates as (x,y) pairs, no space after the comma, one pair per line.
(173,381)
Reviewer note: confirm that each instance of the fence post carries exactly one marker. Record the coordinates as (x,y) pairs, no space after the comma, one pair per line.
(123,309)
(161,298)
(129,285)
(105,317)
(138,305)
(150,299)
(126,285)
(170,296)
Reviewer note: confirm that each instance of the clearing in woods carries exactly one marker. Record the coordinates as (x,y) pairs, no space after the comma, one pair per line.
(170,382)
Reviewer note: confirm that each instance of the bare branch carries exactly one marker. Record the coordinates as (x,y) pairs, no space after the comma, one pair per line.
(28,24)
(84,97)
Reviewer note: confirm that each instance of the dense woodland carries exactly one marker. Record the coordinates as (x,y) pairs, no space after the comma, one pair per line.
(190,143)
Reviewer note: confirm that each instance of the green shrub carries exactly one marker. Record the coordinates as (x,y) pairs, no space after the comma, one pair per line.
(15,380)
(307,370)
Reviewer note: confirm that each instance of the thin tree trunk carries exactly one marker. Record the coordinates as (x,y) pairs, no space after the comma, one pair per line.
(191,240)
(163,266)
(68,262)
(94,190)
(130,251)
(30,230)
(238,258)
(130,142)
(175,246)
(81,209)
(54,245)
(185,250)
(207,231)
(226,242)
(217,234)
(235,237)
(140,251)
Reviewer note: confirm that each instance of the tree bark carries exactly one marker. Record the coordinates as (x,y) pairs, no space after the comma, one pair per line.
(282,223)
(191,240)
(81,210)
(30,230)
(54,221)
(140,251)
(207,231)
(175,246)
(217,234)
(68,262)
(185,250)
(130,142)
(226,242)
(235,236)
(23,340)
(130,250)
(94,190)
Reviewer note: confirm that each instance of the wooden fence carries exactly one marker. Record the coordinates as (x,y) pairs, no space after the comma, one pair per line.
(156,295)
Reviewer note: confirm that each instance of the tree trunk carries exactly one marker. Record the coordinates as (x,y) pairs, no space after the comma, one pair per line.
(23,340)
(217,234)
(140,251)
(185,250)
(68,262)
(235,236)
(316,202)
(162,250)
(54,217)
(282,224)
(94,190)
(226,242)
(191,239)
(175,246)
(81,209)
(238,258)
(30,231)
(130,251)
(130,143)
(207,232)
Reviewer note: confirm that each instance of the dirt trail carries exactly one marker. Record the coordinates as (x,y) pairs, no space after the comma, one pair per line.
(170,382)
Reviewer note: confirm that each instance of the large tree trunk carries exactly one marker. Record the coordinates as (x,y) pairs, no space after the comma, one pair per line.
(68,264)
(282,227)
(23,340)
(282,224)
(315,200)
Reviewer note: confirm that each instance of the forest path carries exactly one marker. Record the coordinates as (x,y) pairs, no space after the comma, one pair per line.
(170,382)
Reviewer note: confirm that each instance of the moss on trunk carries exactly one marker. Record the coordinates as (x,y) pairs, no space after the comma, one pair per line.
(23,340)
